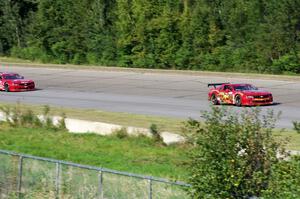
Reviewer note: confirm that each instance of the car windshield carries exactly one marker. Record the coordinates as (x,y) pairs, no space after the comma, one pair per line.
(246,87)
(16,76)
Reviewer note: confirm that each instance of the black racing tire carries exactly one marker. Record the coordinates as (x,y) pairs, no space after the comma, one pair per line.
(238,100)
(214,99)
(6,88)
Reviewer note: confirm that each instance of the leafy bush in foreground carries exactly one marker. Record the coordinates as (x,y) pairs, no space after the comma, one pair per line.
(284,181)
(234,154)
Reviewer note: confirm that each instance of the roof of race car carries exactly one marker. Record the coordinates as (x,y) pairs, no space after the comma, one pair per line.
(236,84)
(229,84)
(8,73)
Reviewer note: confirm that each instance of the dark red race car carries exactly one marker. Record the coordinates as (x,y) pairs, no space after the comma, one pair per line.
(15,82)
(238,94)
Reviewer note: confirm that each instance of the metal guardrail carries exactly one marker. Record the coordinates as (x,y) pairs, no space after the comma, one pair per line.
(177,192)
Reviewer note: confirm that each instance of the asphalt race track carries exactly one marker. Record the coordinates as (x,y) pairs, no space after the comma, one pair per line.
(161,94)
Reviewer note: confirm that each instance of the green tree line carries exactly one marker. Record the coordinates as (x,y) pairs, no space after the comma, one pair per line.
(233,35)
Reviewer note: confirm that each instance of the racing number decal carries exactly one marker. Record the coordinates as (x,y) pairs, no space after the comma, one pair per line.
(221,96)
(225,97)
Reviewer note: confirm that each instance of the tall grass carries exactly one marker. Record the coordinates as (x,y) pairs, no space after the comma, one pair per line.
(19,116)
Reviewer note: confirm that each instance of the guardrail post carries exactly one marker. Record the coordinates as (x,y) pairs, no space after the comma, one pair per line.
(20,173)
(150,188)
(100,185)
(57,180)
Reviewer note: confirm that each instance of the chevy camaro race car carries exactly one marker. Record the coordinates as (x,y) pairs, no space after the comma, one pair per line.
(15,82)
(238,94)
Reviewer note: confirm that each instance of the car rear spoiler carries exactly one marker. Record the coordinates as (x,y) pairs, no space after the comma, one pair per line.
(216,84)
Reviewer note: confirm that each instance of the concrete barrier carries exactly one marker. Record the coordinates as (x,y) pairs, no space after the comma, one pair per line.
(83,126)
(101,128)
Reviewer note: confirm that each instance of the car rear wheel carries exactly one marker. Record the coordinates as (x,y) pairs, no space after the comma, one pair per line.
(238,100)
(6,88)
(214,99)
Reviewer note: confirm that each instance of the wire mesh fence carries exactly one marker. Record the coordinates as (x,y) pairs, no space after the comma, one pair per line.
(25,176)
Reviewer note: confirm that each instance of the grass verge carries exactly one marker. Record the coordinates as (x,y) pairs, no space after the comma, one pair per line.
(293,139)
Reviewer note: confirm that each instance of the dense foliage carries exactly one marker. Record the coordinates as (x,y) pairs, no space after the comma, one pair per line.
(232,35)
(285,180)
(236,156)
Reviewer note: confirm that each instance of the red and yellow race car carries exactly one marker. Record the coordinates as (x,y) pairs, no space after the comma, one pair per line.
(15,82)
(238,94)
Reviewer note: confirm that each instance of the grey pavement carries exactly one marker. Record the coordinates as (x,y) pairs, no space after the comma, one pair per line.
(161,94)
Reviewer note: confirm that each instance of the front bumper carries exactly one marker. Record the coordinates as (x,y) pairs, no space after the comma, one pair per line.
(258,101)
(24,87)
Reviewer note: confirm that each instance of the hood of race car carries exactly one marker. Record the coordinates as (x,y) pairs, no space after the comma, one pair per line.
(19,81)
(256,92)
